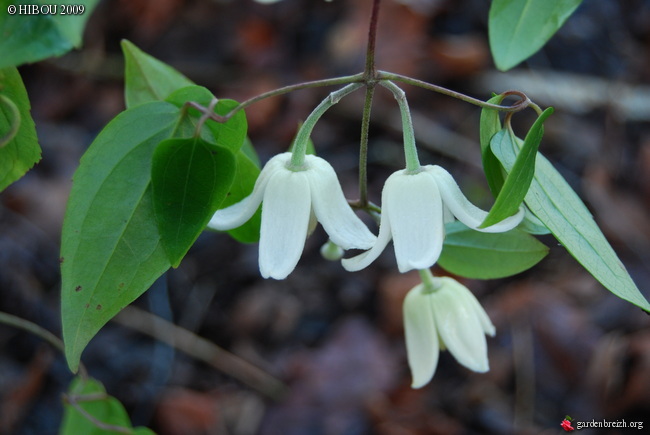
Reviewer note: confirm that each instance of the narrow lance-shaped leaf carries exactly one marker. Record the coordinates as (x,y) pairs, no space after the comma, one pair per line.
(518,28)
(87,404)
(477,255)
(190,179)
(489,125)
(148,79)
(110,248)
(19,149)
(56,28)
(518,181)
(553,201)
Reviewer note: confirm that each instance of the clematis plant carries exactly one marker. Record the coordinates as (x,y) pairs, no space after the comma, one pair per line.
(178,160)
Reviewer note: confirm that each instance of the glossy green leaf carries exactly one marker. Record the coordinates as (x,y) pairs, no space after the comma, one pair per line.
(148,79)
(87,404)
(518,181)
(190,178)
(20,149)
(249,151)
(473,254)
(26,38)
(562,211)
(489,125)
(230,134)
(110,250)
(518,28)
(532,225)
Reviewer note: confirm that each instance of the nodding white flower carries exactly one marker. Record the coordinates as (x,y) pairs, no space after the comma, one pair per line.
(415,207)
(289,197)
(445,317)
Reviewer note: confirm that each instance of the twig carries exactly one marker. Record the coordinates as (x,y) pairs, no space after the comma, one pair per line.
(26,325)
(201,349)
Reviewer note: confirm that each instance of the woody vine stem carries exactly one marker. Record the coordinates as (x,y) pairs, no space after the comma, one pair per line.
(369,78)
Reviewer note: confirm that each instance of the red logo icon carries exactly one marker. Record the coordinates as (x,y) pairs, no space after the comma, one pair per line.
(566,424)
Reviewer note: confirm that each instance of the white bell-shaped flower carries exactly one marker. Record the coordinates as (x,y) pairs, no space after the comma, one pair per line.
(415,207)
(289,197)
(447,317)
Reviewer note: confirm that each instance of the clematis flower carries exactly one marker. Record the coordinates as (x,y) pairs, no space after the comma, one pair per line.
(415,207)
(289,198)
(447,316)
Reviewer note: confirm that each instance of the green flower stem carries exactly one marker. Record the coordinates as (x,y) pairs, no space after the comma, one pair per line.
(302,138)
(410,150)
(363,147)
(523,102)
(431,283)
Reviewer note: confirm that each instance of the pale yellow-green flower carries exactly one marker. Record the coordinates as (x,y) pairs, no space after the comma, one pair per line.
(447,316)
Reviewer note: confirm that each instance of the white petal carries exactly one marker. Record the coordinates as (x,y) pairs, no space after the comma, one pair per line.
(237,214)
(459,327)
(484,319)
(332,209)
(361,261)
(285,219)
(413,204)
(447,215)
(421,337)
(465,211)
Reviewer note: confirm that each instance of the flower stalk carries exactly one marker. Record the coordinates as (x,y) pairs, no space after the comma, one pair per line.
(430,282)
(410,150)
(302,138)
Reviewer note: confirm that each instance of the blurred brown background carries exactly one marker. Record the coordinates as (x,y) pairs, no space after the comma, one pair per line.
(564,344)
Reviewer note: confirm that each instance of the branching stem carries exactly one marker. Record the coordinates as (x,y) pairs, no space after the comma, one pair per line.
(523,102)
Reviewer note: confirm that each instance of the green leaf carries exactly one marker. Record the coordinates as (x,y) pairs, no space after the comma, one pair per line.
(518,28)
(230,134)
(20,149)
(489,125)
(190,179)
(87,400)
(249,151)
(477,255)
(11,120)
(32,37)
(562,211)
(110,250)
(148,79)
(242,186)
(520,176)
